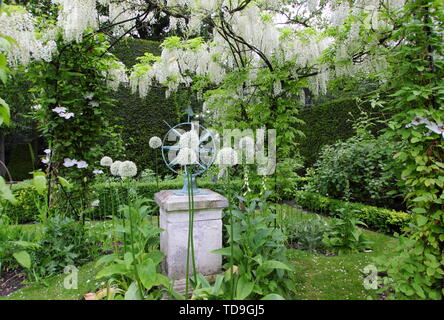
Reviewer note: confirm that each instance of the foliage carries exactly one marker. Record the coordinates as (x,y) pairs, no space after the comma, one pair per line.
(303,231)
(359,169)
(74,84)
(258,254)
(329,122)
(343,235)
(378,218)
(415,81)
(135,270)
(64,242)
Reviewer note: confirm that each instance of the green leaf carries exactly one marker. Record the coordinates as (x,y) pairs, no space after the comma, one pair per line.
(5,113)
(244,288)
(272,296)
(112,270)
(274,264)
(133,292)
(65,183)
(421,220)
(23,258)
(6,193)
(39,182)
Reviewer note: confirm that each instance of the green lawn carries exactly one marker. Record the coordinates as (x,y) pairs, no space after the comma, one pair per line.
(336,277)
(318,276)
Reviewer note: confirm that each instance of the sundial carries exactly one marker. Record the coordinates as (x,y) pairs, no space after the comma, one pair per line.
(205,151)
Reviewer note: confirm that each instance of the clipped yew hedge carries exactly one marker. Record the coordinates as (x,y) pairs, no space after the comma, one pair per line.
(381,219)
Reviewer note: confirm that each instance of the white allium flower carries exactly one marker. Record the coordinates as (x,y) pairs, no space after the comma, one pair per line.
(106,161)
(115,168)
(190,140)
(155,142)
(81,164)
(95,203)
(97,171)
(127,169)
(227,157)
(186,156)
(69,162)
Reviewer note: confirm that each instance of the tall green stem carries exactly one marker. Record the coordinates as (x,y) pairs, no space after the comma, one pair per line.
(231,235)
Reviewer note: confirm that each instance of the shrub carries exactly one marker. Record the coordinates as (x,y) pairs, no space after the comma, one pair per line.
(359,169)
(110,196)
(343,235)
(65,242)
(381,219)
(327,123)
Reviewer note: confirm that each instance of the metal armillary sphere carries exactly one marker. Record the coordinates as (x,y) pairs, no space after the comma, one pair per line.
(205,151)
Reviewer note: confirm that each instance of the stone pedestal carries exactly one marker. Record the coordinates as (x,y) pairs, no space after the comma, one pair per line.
(207,232)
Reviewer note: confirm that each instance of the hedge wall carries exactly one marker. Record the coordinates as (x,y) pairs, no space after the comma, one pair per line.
(141,119)
(327,123)
(381,219)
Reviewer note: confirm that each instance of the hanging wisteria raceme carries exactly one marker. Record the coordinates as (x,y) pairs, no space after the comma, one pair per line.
(20,26)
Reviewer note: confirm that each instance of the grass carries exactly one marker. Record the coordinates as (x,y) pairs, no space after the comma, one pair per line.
(54,289)
(319,277)
(338,277)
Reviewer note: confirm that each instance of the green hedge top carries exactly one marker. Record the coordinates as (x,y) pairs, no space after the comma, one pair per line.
(381,219)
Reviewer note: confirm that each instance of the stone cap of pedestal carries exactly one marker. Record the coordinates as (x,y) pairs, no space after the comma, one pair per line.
(169,201)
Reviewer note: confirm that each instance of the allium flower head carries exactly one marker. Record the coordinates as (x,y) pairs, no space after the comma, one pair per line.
(227,157)
(127,169)
(190,140)
(106,161)
(115,168)
(186,156)
(155,142)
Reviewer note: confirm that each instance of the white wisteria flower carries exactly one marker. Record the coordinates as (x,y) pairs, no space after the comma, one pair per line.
(189,139)
(127,169)
(186,156)
(227,157)
(106,161)
(67,162)
(97,171)
(155,142)
(114,168)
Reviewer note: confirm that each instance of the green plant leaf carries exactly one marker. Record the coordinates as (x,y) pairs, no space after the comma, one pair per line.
(272,296)
(23,258)
(244,288)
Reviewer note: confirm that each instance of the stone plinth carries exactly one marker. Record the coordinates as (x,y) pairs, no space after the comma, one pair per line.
(207,232)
